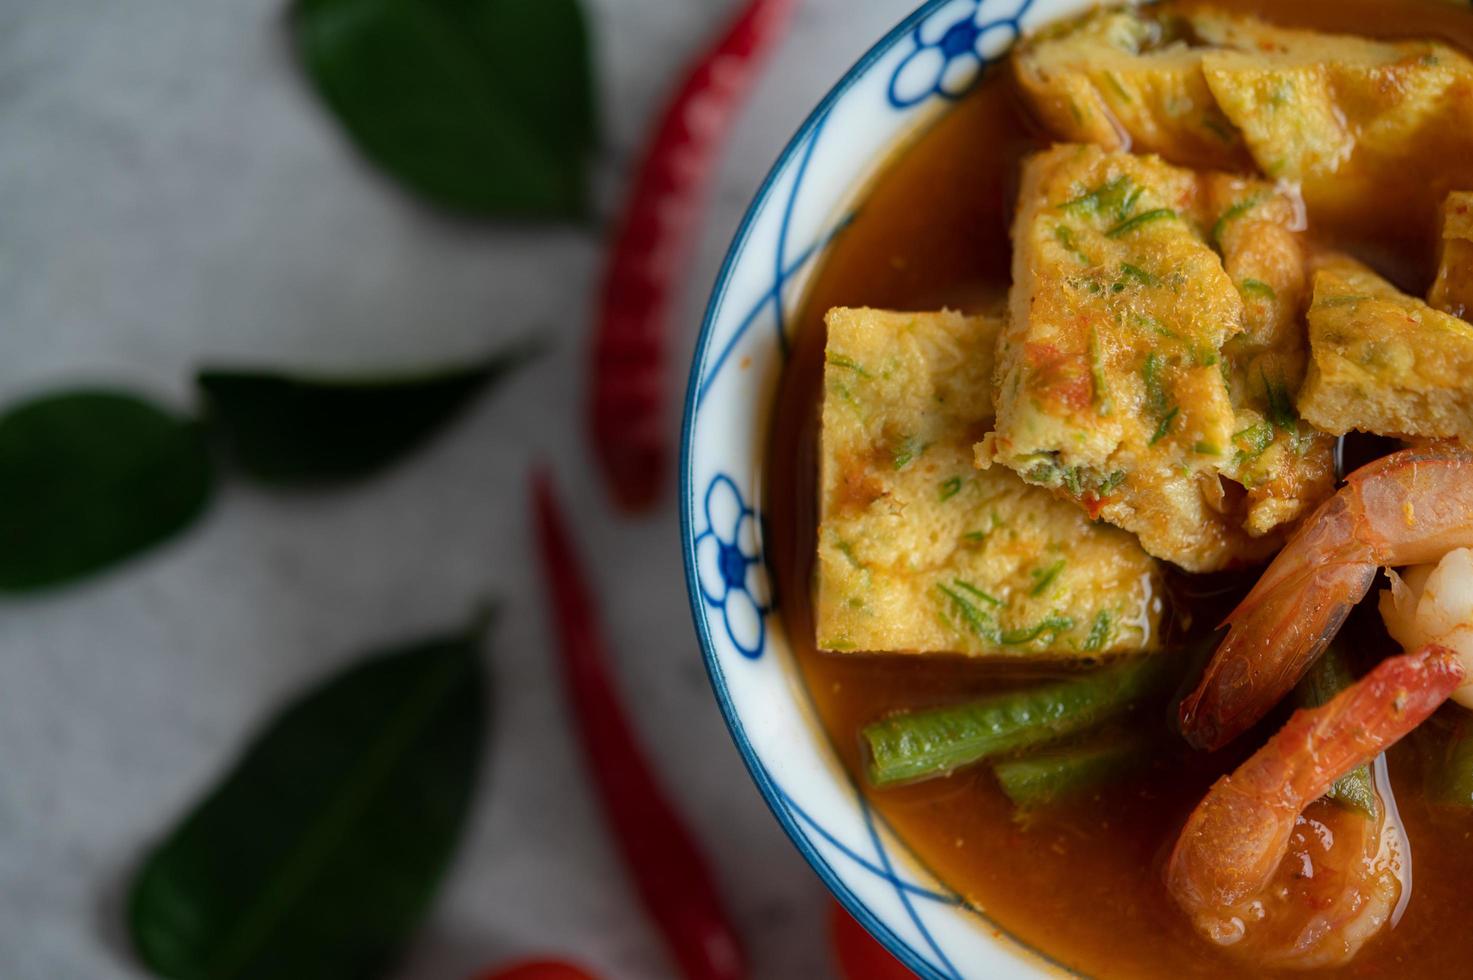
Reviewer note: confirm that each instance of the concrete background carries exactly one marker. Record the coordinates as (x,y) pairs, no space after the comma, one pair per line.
(171,193)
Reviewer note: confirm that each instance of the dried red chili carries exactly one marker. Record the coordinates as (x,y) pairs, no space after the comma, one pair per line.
(860,956)
(650,251)
(670,873)
(538,970)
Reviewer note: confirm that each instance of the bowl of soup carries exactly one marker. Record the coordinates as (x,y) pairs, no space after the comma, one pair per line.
(1076,495)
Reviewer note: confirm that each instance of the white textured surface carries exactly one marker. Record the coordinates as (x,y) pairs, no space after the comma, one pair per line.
(170,193)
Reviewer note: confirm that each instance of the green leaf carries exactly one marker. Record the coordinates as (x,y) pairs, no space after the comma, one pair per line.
(1099,631)
(293,430)
(319,853)
(1164,428)
(1232,214)
(1155,387)
(1258,288)
(482,106)
(89,478)
(1111,196)
(1129,271)
(1281,411)
(975,592)
(1131,224)
(1330,675)
(1044,577)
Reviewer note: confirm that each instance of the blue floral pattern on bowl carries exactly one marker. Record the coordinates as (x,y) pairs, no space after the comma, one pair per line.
(932,57)
(729,566)
(947,56)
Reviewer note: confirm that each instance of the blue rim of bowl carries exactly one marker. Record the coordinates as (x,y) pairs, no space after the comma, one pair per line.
(770,793)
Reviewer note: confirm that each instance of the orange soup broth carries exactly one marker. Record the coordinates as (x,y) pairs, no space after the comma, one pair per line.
(1081,882)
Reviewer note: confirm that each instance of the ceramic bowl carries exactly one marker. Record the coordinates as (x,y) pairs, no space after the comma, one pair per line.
(933,57)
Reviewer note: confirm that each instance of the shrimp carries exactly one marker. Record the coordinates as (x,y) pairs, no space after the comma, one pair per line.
(1260,867)
(1406,509)
(1434,604)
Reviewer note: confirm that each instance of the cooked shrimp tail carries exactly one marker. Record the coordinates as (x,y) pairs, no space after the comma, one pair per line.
(1407,508)
(1234,844)
(1279,630)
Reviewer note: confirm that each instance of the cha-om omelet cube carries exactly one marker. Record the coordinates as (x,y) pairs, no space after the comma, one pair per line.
(1369,128)
(1452,292)
(1120,79)
(1385,362)
(919,552)
(1112,388)
(1285,466)
(1377,132)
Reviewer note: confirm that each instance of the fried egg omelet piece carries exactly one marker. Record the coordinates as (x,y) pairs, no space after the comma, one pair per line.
(1375,131)
(1385,362)
(1125,375)
(921,553)
(1120,79)
(1285,466)
(1371,129)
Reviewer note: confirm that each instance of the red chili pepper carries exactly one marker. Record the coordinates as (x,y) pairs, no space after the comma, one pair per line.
(669,871)
(860,956)
(651,249)
(538,970)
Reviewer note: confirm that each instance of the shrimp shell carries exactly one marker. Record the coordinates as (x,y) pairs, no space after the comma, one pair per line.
(1237,837)
(1408,508)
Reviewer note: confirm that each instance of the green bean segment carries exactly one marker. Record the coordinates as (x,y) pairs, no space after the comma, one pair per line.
(934,742)
(1040,780)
